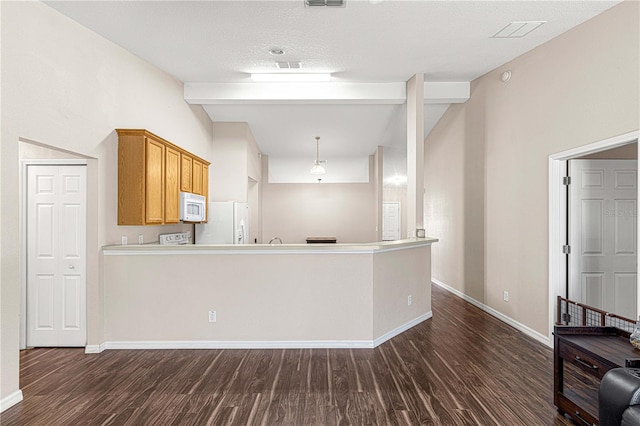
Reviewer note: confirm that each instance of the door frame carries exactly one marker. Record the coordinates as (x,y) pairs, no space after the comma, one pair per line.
(23,233)
(558,210)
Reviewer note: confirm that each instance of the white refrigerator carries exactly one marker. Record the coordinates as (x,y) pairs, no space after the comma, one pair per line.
(228,223)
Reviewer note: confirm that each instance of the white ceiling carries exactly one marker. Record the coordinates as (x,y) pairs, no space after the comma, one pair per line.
(367,41)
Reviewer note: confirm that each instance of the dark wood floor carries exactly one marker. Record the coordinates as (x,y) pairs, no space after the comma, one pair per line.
(462,367)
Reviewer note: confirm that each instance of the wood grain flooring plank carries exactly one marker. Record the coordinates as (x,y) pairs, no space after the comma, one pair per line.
(461,367)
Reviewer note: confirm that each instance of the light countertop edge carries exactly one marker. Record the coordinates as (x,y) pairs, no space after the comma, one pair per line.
(351,248)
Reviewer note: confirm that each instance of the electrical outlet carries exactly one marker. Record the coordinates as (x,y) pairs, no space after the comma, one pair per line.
(409,300)
(505,296)
(140,239)
(212,316)
(124,240)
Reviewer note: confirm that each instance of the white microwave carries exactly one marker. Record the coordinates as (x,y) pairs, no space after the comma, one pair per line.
(193,207)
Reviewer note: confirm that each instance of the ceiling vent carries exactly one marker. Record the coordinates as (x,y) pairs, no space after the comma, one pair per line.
(518,29)
(327,3)
(289,65)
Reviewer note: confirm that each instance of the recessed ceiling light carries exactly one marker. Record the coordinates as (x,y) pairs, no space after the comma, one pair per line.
(517,29)
(290,77)
(276,52)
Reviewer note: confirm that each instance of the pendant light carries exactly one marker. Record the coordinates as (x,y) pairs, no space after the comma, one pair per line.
(317,168)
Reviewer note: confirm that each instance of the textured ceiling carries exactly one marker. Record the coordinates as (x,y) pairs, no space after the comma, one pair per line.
(381,41)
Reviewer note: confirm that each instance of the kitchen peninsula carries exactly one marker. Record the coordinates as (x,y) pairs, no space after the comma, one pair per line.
(264,296)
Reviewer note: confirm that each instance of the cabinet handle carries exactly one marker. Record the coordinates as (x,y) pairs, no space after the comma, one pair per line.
(586,364)
(582,419)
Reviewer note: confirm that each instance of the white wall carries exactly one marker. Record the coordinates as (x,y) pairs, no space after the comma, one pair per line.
(235,173)
(454,199)
(378,173)
(257,297)
(338,170)
(295,211)
(254,157)
(262,294)
(486,160)
(624,152)
(254,188)
(398,275)
(65,86)
(229,164)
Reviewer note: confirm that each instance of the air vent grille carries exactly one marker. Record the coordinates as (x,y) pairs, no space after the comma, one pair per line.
(517,29)
(289,65)
(327,3)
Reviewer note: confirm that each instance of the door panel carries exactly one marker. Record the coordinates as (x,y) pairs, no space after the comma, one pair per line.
(625,295)
(72,293)
(625,179)
(390,221)
(71,238)
(44,230)
(624,227)
(56,251)
(44,297)
(593,289)
(602,234)
(592,238)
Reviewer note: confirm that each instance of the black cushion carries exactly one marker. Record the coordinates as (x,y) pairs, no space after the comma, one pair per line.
(631,416)
(619,389)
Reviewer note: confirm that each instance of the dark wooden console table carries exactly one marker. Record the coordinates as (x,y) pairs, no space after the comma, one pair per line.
(321,240)
(582,355)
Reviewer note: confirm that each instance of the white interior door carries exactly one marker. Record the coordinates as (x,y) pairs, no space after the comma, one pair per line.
(602,234)
(56,256)
(390,221)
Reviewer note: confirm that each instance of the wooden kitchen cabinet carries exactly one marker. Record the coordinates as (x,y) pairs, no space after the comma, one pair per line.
(205,186)
(186,167)
(205,180)
(172,186)
(150,177)
(197,178)
(154,181)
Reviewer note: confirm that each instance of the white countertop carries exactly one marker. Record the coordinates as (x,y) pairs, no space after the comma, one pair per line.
(355,248)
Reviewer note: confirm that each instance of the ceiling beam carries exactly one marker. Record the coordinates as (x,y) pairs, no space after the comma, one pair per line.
(320,93)
(446,92)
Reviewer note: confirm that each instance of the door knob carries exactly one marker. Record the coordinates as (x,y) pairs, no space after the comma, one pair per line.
(72,267)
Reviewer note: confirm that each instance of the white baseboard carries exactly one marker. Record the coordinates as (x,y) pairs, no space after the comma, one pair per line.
(11,400)
(393,333)
(499,315)
(239,344)
(94,349)
(256,344)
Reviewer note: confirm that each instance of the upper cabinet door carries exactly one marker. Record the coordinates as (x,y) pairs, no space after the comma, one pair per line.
(154,181)
(172,186)
(185,174)
(197,177)
(205,180)
(205,188)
